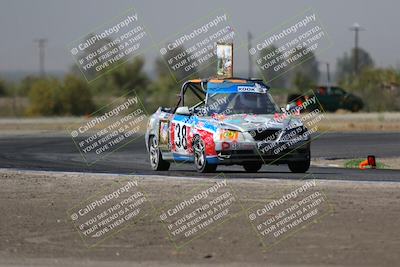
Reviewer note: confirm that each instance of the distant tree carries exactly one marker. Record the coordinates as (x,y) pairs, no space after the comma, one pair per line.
(302,82)
(345,64)
(25,85)
(164,69)
(126,77)
(43,98)
(3,87)
(130,75)
(104,86)
(307,66)
(75,97)
(164,90)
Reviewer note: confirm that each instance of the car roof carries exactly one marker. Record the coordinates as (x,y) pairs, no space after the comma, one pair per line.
(200,87)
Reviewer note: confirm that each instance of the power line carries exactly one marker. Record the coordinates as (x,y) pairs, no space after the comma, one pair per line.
(328,74)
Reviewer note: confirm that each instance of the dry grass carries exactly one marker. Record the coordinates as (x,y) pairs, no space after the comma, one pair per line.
(384,163)
(333,122)
(360,122)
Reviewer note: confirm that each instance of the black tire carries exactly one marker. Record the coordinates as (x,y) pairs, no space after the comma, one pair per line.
(156,161)
(252,166)
(355,108)
(200,160)
(300,166)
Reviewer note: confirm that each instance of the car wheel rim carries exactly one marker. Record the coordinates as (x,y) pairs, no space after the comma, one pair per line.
(199,154)
(153,153)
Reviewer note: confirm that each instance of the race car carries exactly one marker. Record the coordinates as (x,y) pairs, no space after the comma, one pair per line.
(234,122)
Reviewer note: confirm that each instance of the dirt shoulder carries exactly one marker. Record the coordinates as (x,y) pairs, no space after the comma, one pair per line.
(36,230)
(383,163)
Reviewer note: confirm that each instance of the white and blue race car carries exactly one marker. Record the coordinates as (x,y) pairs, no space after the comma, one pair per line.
(235,121)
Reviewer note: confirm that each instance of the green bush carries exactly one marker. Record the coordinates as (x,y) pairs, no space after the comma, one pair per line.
(3,88)
(75,97)
(25,85)
(43,97)
(49,97)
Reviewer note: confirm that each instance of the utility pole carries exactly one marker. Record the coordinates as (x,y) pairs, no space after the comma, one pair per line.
(328,73)
(249,38)
(41,44)
(356,28)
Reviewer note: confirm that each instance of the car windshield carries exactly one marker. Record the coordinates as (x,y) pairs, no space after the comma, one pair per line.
(240,103)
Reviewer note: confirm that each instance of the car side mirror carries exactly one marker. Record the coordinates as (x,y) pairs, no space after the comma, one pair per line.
(183,111)
(289,107)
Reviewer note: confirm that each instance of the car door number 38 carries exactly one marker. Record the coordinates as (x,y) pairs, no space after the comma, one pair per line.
(180,136)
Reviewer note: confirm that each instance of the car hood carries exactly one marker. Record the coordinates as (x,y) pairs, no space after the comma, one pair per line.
(245,122)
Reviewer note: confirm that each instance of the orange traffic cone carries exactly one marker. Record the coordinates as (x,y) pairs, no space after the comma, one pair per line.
(369,162)
(363,164)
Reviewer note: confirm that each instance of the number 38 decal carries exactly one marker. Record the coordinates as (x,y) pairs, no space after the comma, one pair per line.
(181,136)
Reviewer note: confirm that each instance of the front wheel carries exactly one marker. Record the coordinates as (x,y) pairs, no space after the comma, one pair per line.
(252,167)
(156,161)
(200,159)
(299,166)
(355,108)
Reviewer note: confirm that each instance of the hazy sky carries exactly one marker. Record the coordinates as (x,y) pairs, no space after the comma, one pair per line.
(21,21)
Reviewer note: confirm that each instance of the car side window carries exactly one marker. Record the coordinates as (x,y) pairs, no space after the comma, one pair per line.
(198,109)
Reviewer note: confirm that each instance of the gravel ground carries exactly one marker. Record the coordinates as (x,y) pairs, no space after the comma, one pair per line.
(360,228)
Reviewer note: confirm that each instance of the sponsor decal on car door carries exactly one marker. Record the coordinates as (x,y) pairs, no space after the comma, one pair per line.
(163,134)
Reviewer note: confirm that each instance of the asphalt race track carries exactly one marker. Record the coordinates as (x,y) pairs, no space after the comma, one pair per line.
(60,154)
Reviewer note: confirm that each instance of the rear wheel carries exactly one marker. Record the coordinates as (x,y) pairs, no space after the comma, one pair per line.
(200,160)
(156,161)
(252,167)
(355,108)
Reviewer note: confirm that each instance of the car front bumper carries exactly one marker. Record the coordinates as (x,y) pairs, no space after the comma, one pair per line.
(281,153)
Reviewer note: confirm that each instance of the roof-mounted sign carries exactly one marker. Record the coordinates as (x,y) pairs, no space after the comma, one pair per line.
(224,60)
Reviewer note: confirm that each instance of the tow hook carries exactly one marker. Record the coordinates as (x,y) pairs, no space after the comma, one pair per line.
(222,157)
